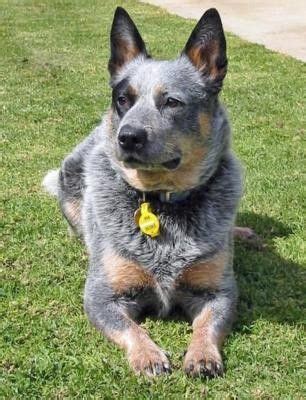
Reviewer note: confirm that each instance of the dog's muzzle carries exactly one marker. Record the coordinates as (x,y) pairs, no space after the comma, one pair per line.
(132,140)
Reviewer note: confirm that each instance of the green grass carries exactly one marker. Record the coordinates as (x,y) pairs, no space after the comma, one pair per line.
(54,86)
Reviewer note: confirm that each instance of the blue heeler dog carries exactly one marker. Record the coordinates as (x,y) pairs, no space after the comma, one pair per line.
(153,192)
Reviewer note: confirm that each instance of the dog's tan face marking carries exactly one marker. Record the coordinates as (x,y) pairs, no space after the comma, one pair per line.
(203,354)
(205,124)
(132,91)
(185,177)
(205,274)
(143,180)
(158,91)
(143,354)
(123,274)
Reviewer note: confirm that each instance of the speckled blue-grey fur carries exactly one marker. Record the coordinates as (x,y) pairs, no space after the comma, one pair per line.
(194,229)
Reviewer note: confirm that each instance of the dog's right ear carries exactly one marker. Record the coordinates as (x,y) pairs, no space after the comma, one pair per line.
(125,41)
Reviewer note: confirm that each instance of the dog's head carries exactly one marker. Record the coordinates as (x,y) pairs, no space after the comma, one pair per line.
(163,112)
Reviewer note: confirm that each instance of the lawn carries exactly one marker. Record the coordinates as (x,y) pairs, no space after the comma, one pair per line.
(54,87)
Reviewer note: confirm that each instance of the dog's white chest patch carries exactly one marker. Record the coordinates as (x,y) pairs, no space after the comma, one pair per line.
(164,295)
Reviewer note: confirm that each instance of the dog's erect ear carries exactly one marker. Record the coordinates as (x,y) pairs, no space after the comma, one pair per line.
(125,41)
(206,47)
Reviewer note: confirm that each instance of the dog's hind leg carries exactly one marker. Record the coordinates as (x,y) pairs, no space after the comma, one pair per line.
(71,184)
(68,183)
(63,184)
(71,209)
(249,236)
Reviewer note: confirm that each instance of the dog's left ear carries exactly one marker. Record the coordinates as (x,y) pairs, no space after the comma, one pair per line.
(125,41)
(206,47)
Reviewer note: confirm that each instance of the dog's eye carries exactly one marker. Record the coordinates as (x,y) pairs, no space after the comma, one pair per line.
(122,100)
(171,102)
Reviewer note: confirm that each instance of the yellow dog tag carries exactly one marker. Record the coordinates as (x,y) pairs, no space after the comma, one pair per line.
(147,221)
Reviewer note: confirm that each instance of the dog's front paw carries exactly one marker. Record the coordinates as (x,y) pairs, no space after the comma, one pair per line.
(149,360)
(203,363)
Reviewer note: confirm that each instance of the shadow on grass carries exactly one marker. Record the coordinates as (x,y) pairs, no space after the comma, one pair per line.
(270,286)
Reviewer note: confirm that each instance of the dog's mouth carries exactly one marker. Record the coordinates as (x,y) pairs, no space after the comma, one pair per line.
(132,162)
(172,164)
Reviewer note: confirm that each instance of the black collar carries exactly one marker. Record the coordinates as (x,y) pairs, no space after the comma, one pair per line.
(166,197)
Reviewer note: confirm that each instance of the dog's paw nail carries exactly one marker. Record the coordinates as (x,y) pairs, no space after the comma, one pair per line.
(208,365)
(189,369)
(212,369)
(158,369)
(200,365)
(203,369)
(219,369)
(167,368)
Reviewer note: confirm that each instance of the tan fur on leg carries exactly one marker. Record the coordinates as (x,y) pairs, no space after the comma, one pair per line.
(143,354)
(203,356)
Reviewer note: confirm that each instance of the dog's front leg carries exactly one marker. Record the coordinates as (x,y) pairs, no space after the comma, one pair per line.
(211,324)
(113,316)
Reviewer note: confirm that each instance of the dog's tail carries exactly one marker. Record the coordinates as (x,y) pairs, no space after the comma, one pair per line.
(50,182)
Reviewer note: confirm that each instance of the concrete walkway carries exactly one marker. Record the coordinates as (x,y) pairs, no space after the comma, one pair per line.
(279,25)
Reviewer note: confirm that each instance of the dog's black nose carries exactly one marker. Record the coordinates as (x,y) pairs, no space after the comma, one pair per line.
(132,139)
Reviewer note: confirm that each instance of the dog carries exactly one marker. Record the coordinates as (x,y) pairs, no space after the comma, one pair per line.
(153,191)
